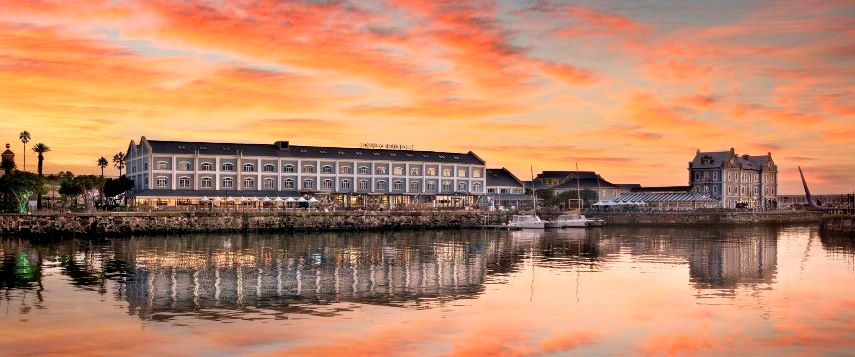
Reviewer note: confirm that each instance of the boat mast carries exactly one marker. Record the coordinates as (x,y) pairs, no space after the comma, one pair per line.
(533,196)
(578,191)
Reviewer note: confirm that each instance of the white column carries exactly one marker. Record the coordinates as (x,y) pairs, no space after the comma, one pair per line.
(173,173)
(258,170)
(217,173)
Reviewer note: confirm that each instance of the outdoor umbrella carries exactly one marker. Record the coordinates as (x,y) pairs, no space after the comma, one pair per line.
(290,199)
(301,199)
(312,200)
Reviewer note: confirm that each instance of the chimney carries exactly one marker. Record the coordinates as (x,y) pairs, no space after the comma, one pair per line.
(281,145)
(732,151)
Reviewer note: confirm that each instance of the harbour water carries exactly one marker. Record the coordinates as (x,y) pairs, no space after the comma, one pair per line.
(758,290)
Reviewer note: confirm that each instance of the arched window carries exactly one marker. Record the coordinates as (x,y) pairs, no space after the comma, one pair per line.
(462,172)
(363,185)
(288,184)
(269,184)
(381,185)
(161,181)
(327,169)
(183,182)
(461,186)
(363,170)
(446,172)
(206,166)
(248,182)
(228,166)
(380,170)
(430,186)
(398,185)
(228,182)
(184,166)
(345,185)
(288,168)
(398,171)
(207,182)
(476,187)
(269,168)
(447,186)
(476,173)
(344,170)
(327,184)
(414,171)
(161,165)
(248,168)
(308,184)
(414,185)
(431,171)
(308,169)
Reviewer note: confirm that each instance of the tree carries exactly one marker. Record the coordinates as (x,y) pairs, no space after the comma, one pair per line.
(115,187)
(90,184)
(16,188)
(40,149)
(103,163)
(8,165)
(119,161)
(25,138)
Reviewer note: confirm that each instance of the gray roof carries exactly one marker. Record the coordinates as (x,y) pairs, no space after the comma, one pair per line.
(586,182)
(665,197)
(565,174)
(316,152)
(502,177)
(718,158)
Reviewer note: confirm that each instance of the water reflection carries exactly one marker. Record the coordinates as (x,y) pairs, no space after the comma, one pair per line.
(216,277)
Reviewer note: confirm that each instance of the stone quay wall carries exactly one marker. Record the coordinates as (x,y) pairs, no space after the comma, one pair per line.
(119,223)
(842,223)
(708,218)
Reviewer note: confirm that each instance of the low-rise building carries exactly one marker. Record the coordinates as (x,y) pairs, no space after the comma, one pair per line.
(175,172)
(735,180)
(504,189)
(561,181)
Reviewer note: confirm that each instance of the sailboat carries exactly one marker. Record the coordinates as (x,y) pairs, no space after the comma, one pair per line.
(528,221)
(576,219)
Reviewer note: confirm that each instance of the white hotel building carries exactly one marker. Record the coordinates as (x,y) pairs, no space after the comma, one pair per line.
(177,172)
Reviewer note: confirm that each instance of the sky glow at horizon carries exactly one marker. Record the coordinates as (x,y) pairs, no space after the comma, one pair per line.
(628,89)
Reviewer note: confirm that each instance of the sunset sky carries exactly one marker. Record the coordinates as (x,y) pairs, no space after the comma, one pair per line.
(627,88)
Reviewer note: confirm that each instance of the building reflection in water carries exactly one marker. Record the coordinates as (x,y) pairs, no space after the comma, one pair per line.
(209,275)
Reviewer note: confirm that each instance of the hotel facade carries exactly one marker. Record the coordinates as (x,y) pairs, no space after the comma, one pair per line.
(177,172)
(735,180)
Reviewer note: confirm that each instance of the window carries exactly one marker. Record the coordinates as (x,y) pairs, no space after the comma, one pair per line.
(447,186)
(184,182)
(228,166)
(431,171)
(414,185)
(430,186)
(706,176)
(326,185)
(184,166)
(327,169)
(161,181)
(491,190)
(269,168)
(744,190)
(363,170)
(756,190)
(381,185)
(288,184)
(398,185)
(288,168)
(344,185)
(206,166)
(228,182)
(161,165)
(476,173)
(504,190)
(380,170)
(248,168)
(308,169)
(363,185)
(207,182)
(398,171)
(697,176)
(248,182)
(461,186)
(269,184)
(715,175)
(476,186)
(461,173)
(446,172)
(344,170)
(414,171)
(308,184)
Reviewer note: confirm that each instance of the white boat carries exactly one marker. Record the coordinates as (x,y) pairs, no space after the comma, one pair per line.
(528,221)
(574,221)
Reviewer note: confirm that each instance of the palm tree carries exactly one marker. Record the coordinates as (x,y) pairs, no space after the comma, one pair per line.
(40,149)
(25,138)
(119,162)
(103,163)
